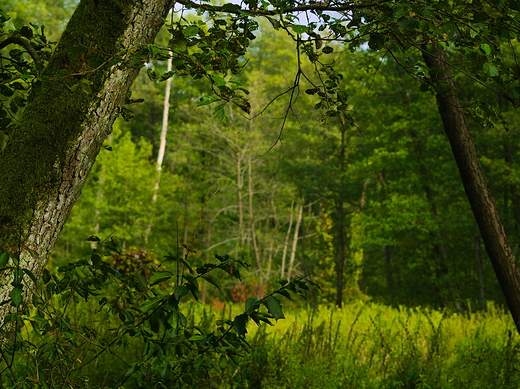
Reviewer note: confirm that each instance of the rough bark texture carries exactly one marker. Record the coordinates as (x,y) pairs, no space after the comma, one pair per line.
(474,181)
(48,157)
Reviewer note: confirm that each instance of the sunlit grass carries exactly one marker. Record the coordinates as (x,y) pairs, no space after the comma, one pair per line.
(366,345)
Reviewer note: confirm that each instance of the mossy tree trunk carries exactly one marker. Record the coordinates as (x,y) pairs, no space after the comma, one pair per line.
(68,116)
(482,203)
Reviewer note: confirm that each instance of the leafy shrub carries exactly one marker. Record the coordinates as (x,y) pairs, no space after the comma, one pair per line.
(92,325)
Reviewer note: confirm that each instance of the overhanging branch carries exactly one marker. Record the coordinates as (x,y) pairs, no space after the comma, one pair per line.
(13,39)
(318,6)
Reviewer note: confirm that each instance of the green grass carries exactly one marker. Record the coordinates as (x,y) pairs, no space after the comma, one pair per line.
(363,345)
(366,345)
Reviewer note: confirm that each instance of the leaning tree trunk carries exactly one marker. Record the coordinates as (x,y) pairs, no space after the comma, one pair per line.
(69,114)
(474,181)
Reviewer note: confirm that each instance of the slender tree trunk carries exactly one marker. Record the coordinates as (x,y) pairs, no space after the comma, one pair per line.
(259,262)
(240,186)
(187,193)
(295,241)
(340,265)
(59,134)
(478,193)
(162,142)
(286,242)
(340,232)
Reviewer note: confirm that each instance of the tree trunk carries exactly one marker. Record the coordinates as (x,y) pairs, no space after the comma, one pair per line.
(296,236)
(478,193)
(340,264)
(162,142)
(340,231)
(256,249)
(286,242)
(51,152)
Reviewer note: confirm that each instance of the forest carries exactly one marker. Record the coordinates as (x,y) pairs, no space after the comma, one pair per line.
(273,194)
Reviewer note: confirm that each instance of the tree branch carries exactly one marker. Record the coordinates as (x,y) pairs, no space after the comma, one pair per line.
(13,39)
(318,6)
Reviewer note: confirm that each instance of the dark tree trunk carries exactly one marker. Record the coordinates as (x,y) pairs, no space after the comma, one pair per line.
(478,193)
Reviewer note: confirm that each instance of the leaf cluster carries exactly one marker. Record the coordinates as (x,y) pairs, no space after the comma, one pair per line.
(44,341)
(23,52)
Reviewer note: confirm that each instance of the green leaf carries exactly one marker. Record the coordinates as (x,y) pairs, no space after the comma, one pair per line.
(113,246)
(220,113)
(491,69)
(18,23)
(222,362)
(180,292)
(16,296)
(251,305)
(299,28)
(94,60)
(46,276)
(327,49)
(152,75)
(240,324)
(179,43)
(31,275)
(223,258)
(77,49)
(275,308)
(195,338)
(285,293)
(131,370)
(212,280)
(160,276)
(193,288)
(376,41)
(85,87)
(424,87)
(228,7)
(190,31)
(4,259)
(486,49)
(191,280)
(218,80)
(151,303)
(205,100)
(235,80)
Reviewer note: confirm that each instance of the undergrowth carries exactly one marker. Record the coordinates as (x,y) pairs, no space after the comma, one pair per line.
(366,345)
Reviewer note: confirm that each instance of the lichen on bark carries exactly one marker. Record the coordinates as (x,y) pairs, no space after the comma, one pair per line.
(71,111)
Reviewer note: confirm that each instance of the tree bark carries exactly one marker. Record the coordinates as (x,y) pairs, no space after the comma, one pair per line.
(474,181)
(51,152)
